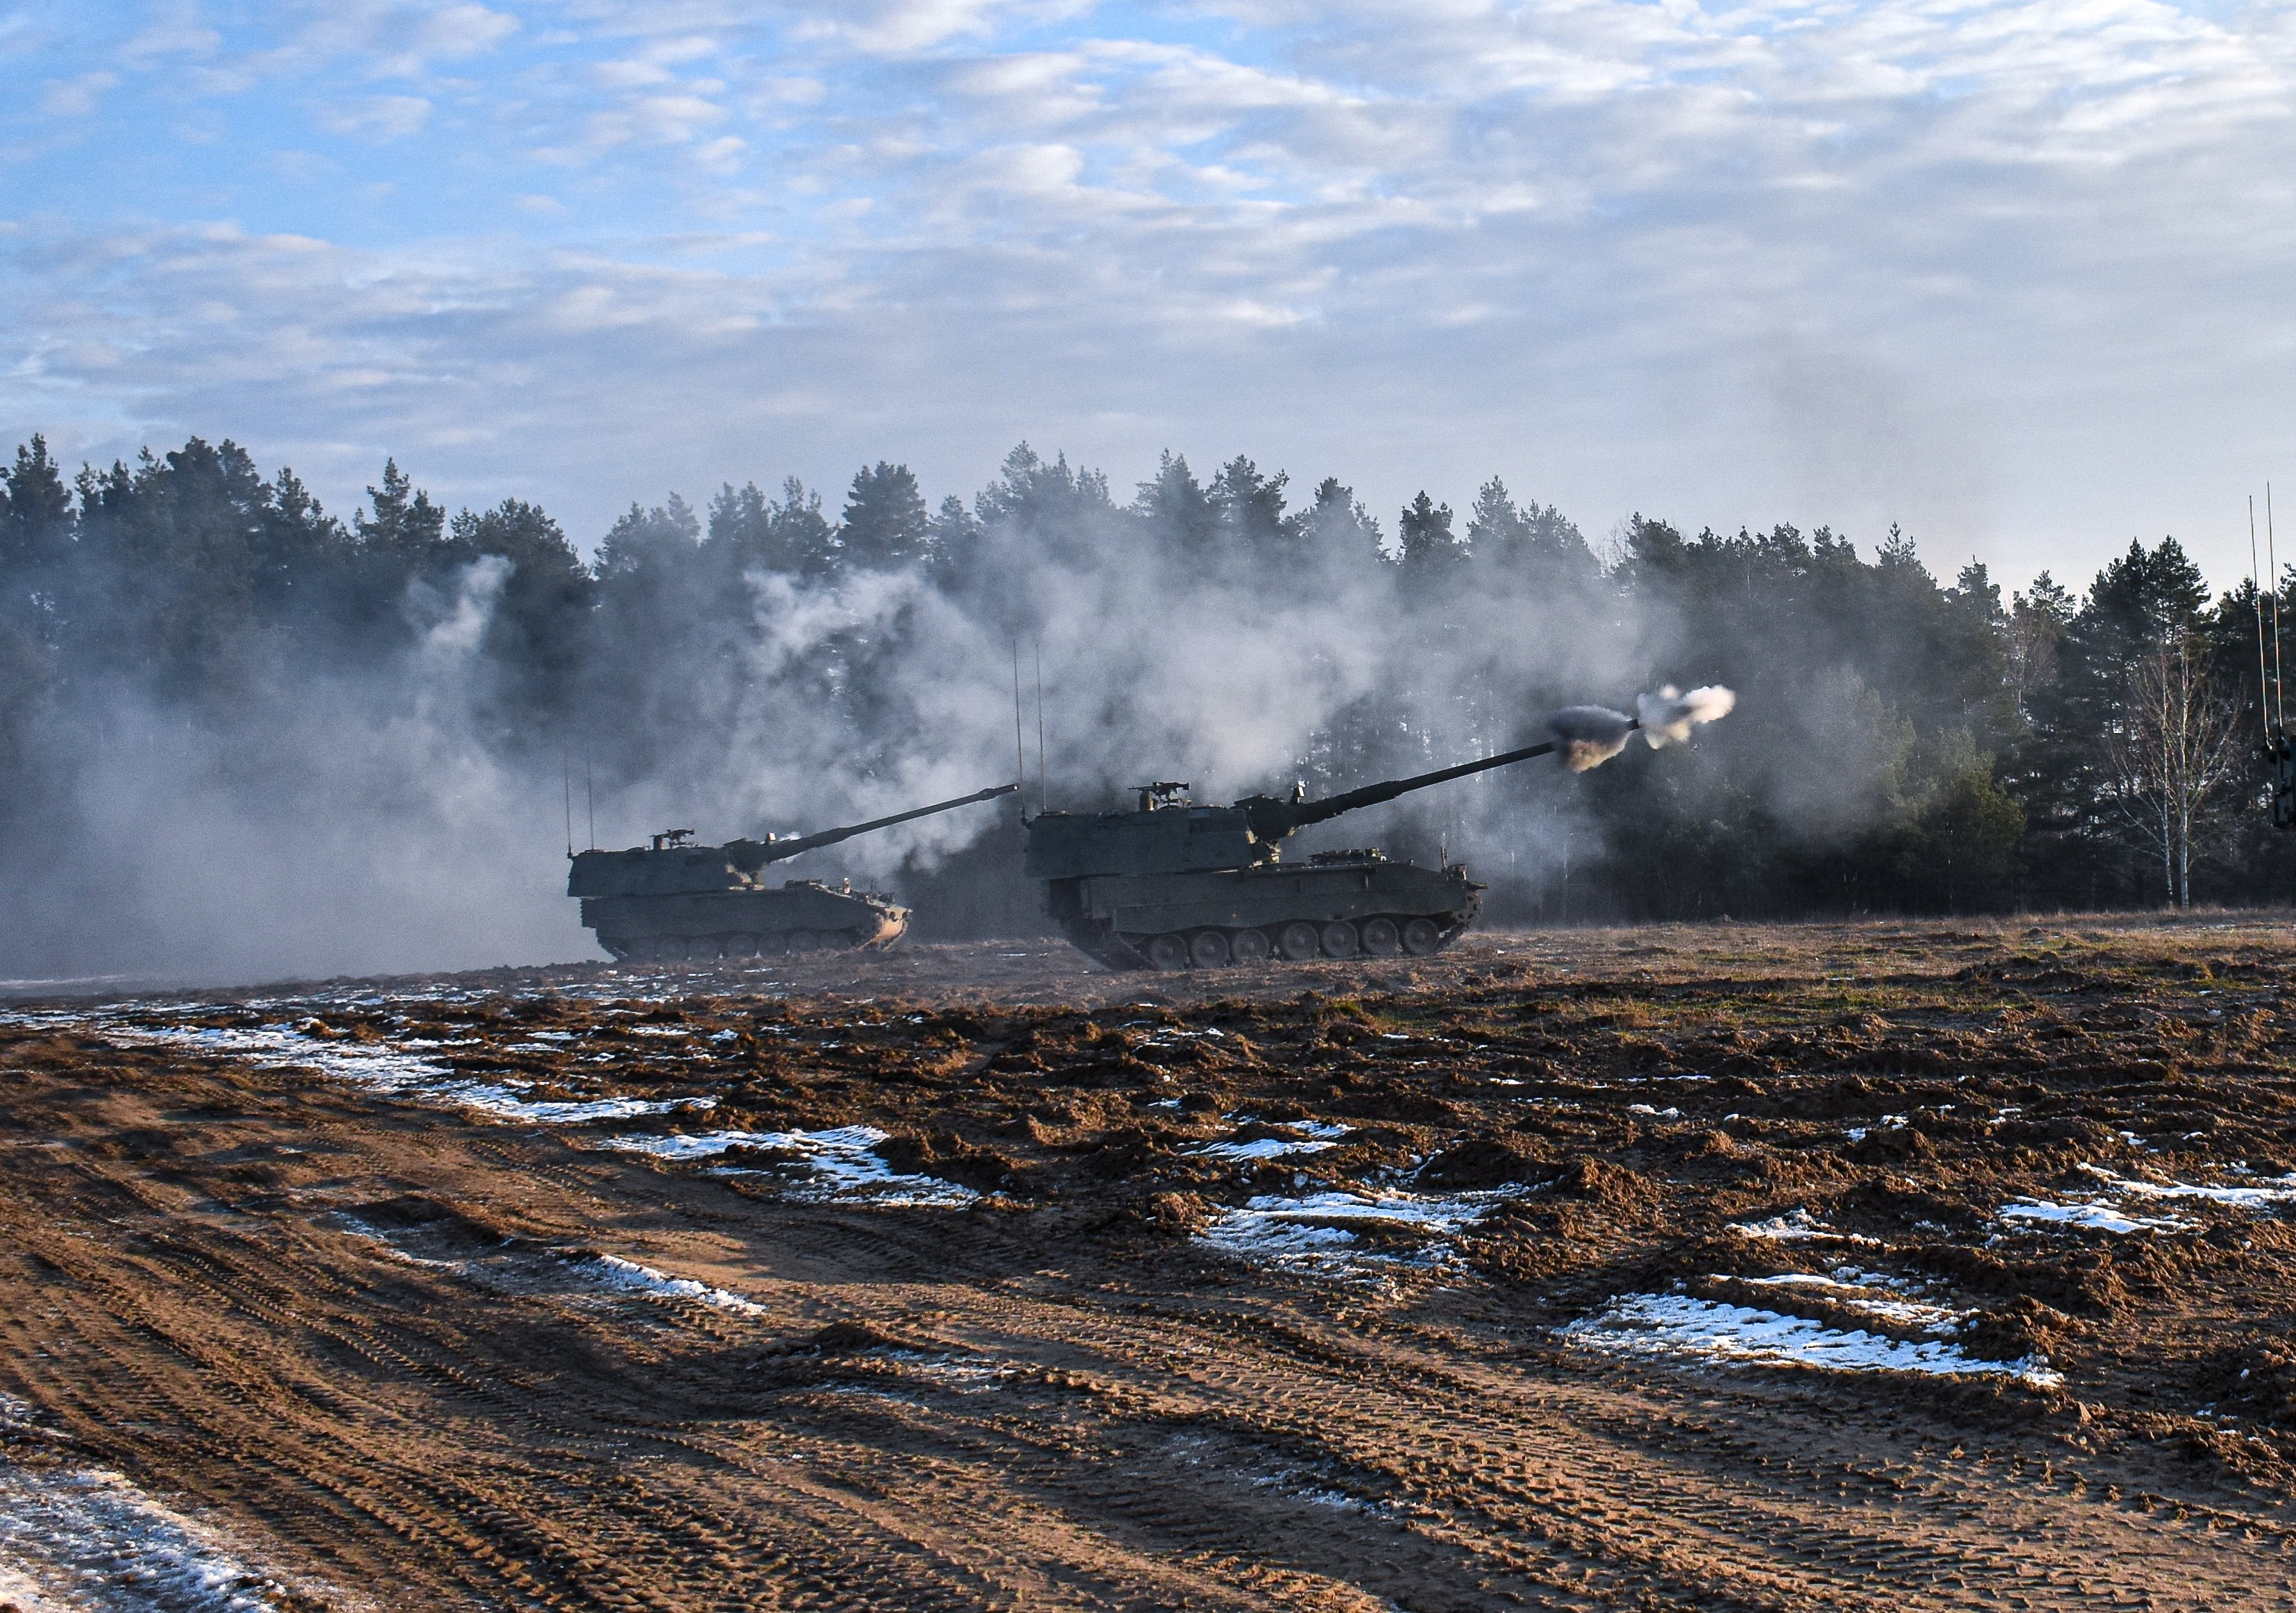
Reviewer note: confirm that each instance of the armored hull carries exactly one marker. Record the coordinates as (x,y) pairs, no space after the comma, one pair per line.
(802,916)
(1178,884)
(1342,905)
(674,900)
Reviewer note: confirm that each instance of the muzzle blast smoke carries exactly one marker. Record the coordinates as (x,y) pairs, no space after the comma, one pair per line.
(1588,735)
(1667,717)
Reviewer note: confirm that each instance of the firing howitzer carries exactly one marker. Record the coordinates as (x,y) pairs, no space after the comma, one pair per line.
(1177,883)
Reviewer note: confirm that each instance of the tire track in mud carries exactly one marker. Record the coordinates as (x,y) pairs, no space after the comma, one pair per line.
(1011,1416)
(1310,1396)
(1596,1508)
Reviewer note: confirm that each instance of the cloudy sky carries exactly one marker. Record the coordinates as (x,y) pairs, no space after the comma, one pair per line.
(2019,277)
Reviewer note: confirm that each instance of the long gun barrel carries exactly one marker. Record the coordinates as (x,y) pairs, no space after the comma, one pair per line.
(750,855)
(1273,820)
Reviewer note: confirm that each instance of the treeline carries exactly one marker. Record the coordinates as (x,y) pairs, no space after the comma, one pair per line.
(1901,744)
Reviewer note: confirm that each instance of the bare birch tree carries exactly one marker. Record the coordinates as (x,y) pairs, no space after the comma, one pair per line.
(2171,749)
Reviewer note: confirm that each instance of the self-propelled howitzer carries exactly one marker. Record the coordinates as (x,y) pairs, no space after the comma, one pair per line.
(1174,885)
(674,900)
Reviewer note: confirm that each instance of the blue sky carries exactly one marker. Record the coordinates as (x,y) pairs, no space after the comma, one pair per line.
(2017,276)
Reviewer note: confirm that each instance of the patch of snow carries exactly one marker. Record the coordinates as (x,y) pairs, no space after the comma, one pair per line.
(1851,1291)
(1264,1148)
(964,1374)
(2097,1216)
(384,1069)
(1317,1233)
(1675,1326)
(87,1539)
(2245,1197)
(843,1166)
(526,1270)
(628,1274)
(1643,1108)
(1798,1226)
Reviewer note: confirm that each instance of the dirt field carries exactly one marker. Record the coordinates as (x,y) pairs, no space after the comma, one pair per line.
(1907,1266)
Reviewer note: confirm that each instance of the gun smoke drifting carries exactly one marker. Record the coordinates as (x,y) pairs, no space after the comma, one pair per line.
(1667,716)
(1586,736)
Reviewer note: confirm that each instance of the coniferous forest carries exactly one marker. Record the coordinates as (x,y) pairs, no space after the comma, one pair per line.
(238,727)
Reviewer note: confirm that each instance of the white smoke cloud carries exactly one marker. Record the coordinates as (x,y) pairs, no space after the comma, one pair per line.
(1669,716)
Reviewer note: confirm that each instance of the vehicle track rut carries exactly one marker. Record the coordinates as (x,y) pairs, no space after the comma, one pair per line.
(375,1344)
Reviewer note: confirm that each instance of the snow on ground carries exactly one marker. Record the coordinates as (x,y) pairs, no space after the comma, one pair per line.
(2096,1216)
(526,1270)
(1312,1137)
(628,1274)
(1798,1226)
(841,1166)
(1322,1233)
(386,1070)
(2259,1196)
(1675,1326)
(88,1540)
(1854,1290)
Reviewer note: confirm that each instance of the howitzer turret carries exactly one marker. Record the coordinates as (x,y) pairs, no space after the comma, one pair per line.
(1174,885)
(674,900)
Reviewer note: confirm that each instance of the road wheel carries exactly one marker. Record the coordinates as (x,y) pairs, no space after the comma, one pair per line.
(1250,946)
(1300,942)
(670,949)
(772,943)
(804,941)
(738,946)
(1380,939)
(1340,940)
(1167,953)
(1420,937)
(1207,950)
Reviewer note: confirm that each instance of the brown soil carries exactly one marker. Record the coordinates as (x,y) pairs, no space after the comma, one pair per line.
(365,1336)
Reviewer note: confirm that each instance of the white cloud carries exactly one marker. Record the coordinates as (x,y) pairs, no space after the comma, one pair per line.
(897,26)
(375,117)
(77,97)
(2013,272)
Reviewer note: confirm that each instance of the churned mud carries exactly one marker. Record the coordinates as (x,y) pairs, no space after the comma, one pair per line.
(1881,1266)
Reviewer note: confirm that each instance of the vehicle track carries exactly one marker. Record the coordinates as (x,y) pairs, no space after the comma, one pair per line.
(986,1408)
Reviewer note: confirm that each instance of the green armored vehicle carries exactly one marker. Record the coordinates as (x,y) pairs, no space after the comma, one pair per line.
(675,901)
(1176,884)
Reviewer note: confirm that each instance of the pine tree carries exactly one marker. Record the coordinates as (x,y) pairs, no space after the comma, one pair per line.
(885,526)
(1175,508)
(404,522)
(1249,510)
(1433,554)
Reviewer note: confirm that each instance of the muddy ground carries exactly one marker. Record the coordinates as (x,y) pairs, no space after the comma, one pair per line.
(1909,1265)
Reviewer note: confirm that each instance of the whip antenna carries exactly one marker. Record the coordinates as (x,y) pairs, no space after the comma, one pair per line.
(1040,727)
(590,796)
(2256,597)
(566,781)
(1019,750)
(2271,556)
